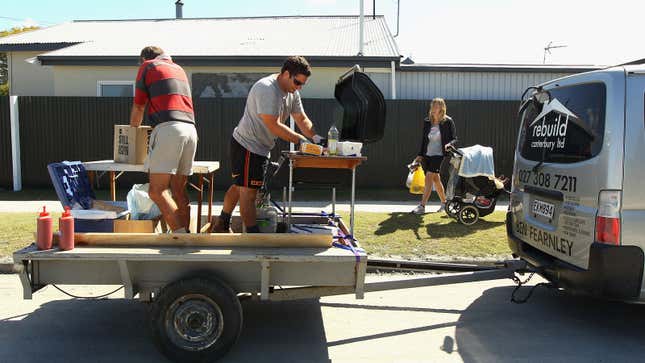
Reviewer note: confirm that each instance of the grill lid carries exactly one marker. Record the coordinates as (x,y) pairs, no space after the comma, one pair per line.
(363,107)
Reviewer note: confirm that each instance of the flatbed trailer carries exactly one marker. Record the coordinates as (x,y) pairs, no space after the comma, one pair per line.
(196,315)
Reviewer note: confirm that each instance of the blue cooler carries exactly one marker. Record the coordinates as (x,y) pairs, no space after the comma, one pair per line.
(73,188)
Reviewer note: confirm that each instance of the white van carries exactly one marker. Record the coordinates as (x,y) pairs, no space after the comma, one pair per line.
(576,212)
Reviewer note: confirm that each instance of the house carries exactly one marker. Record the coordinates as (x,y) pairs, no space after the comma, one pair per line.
(222,57)
(481,82)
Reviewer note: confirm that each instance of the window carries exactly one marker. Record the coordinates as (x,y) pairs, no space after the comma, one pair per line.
(567,128)
(115,89)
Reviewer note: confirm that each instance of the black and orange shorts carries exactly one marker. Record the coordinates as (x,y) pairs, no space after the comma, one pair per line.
(247,168)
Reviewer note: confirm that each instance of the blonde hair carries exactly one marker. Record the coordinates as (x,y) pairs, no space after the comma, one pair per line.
(441,102)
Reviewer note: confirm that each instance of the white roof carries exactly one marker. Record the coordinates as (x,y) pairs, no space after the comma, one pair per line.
(334,36)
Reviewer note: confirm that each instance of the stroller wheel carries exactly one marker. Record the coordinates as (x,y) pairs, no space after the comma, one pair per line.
(468,215)
(452,209)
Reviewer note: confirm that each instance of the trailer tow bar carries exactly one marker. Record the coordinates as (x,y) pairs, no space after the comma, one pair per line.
(449,273)
(459,273)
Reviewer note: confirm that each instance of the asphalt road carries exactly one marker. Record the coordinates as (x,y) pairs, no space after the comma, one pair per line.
(473,322)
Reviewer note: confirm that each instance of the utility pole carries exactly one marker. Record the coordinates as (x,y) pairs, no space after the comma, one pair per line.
(361,25)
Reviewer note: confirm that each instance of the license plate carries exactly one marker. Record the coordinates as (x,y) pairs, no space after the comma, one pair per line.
(543,209)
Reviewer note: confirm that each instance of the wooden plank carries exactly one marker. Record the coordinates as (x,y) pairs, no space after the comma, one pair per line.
(324,162)
(327,162)
(205,227)
(205,240)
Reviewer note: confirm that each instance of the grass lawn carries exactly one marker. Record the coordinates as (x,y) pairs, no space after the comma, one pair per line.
(17,231)
(434,235)
(302,193)
(407,235)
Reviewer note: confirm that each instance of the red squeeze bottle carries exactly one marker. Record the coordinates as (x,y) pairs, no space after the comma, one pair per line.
(66,228)
(44,229)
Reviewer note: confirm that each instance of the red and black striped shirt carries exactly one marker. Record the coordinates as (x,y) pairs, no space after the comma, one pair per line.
(164,85)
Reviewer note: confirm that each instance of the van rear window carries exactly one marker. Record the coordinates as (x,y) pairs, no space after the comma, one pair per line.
(567,128)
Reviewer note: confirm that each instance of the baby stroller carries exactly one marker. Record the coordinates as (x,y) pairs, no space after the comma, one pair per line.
(472,188)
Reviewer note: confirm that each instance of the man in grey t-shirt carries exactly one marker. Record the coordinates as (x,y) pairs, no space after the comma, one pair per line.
(269,104)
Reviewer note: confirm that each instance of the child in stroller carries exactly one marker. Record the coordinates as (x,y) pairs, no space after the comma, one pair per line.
(472,188)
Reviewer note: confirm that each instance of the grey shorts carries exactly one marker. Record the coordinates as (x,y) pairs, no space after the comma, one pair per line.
(172,148)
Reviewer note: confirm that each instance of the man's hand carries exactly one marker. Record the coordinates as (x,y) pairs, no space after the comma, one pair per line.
(136,116)
(303,139)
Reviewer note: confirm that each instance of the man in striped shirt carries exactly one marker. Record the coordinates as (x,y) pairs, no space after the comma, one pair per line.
(163,86)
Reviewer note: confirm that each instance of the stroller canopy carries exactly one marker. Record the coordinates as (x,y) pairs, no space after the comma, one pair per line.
(477,160)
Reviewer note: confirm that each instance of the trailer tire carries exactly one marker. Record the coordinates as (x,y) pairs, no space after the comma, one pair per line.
(196,320)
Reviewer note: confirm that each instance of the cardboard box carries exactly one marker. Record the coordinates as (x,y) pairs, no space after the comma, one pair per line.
(131,143)
(311,149)
(137,226)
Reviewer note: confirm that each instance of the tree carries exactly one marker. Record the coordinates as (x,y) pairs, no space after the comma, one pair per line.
(4,86)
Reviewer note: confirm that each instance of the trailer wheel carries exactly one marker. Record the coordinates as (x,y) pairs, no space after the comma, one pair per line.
(452,209)
(196,320)
(468,215)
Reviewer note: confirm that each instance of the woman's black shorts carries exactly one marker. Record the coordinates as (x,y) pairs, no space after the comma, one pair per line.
(432,164)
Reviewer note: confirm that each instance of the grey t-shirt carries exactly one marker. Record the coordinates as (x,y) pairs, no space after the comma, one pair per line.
(434,142)
(267,98)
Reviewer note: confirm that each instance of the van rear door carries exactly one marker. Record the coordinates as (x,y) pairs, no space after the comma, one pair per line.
(561,163)
(633,202)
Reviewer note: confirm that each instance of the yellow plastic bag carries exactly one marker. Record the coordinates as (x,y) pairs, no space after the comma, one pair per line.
(418,184)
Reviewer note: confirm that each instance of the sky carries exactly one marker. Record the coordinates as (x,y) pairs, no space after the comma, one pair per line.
(430,31)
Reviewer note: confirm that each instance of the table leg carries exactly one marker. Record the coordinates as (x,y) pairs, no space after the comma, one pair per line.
(333,201)
(91,175)
(351,211)
(200,199)
(113,185)
(290,192)
(210,196)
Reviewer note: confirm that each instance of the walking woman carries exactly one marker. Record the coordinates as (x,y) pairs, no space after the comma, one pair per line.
(438,134)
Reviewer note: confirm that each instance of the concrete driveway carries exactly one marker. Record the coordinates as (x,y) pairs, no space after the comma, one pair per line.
(472,322)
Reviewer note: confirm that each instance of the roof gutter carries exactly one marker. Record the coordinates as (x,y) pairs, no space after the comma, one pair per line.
(26,47)
(497,69)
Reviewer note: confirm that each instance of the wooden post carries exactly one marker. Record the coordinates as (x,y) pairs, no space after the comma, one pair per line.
(200,200)
(15,143)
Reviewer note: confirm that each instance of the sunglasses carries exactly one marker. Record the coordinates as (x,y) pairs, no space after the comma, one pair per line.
(297,82)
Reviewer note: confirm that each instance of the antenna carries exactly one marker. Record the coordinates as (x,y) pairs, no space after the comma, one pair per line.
(548,48)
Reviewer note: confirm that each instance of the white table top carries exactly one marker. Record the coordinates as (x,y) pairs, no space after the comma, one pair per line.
(199,167)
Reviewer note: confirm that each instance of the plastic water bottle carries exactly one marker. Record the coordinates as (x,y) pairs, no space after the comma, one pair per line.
(44,229)
(332,140)
(267,219)
(66,228)
(266,215)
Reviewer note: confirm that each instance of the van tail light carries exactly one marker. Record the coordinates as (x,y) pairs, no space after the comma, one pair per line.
(608,217)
